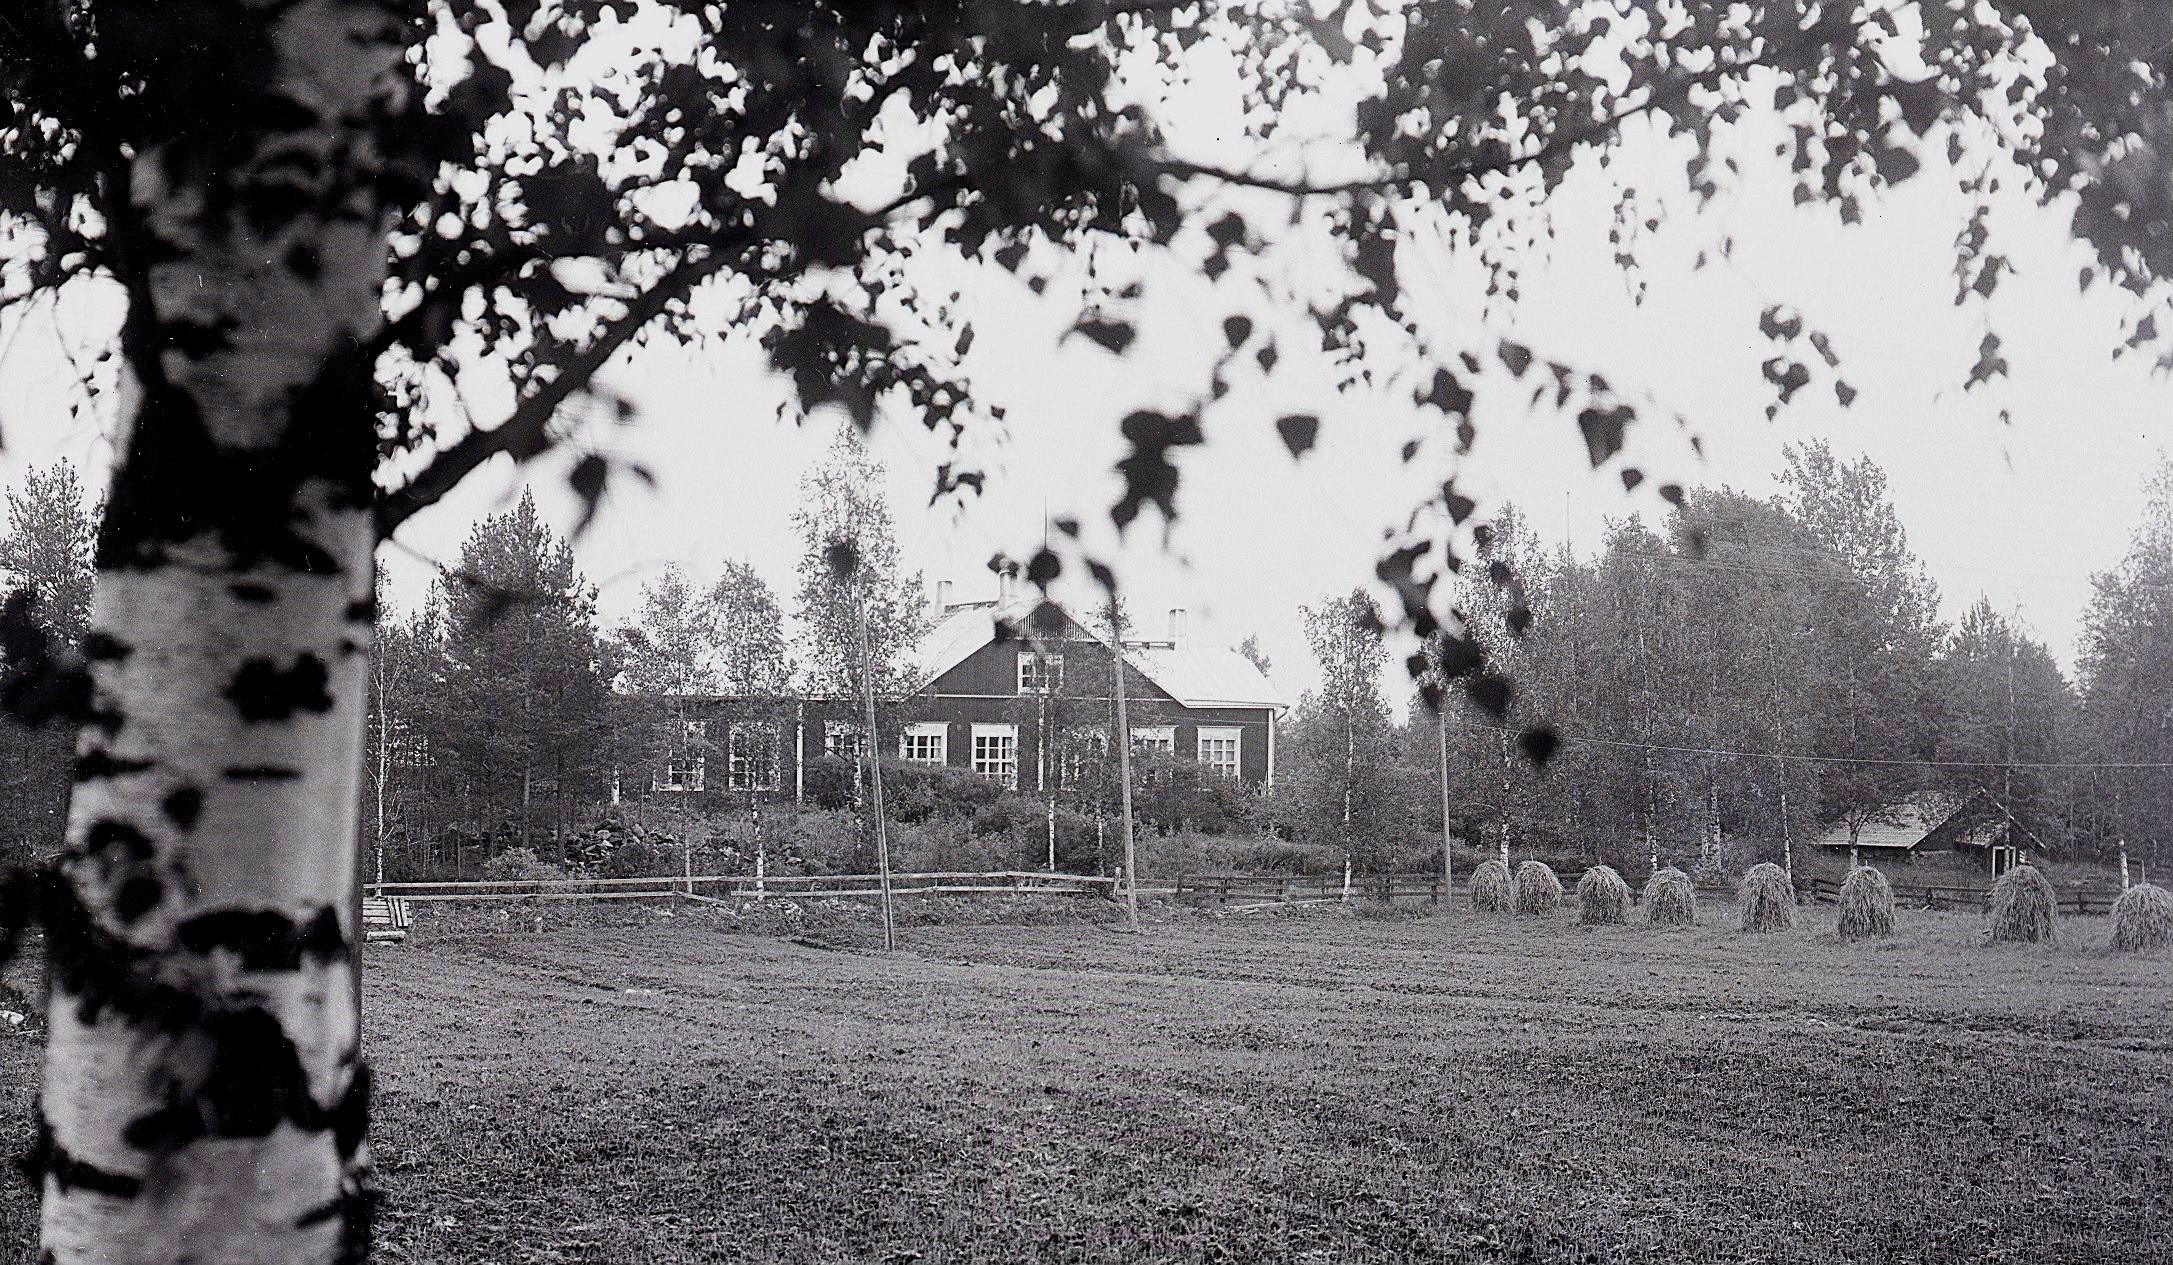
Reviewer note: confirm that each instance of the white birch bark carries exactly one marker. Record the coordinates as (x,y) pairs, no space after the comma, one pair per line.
(204,1094)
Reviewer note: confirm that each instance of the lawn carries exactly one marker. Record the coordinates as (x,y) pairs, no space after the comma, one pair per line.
(1263,1089)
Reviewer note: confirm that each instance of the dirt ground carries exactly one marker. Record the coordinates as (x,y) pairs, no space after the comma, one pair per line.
(1315,1088)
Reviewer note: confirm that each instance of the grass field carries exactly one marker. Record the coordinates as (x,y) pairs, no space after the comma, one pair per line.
(1261,1089)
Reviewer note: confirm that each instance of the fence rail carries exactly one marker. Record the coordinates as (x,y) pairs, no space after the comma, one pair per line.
(1249,889)
(2073,900)
(746,886)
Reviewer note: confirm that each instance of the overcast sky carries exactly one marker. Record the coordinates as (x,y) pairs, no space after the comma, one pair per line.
(2021,512)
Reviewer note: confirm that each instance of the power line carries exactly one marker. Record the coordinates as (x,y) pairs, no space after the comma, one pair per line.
(1588,740)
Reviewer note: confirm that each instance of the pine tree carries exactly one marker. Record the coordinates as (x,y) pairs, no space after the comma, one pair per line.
(522,649)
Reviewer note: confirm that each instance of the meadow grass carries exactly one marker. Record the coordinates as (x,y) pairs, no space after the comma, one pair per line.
(1243,1089)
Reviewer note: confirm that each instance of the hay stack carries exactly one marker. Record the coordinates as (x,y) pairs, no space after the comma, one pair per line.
(2024,907)
(1670,900)
(1538,890)
(1867,905)
(2143,919)
(1766,900)
(1490,888)
(1603,899)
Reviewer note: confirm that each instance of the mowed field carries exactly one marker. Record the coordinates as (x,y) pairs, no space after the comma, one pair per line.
(1326,1088)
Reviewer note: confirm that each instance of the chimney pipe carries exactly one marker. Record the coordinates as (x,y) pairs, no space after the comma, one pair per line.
(1005,576)
(943,598)
(1177,627)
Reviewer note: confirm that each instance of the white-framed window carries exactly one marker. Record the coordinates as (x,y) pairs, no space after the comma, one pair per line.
(686,768)
(996,752)
(1220,747)
(1160,738)
(925,743)
(751,757)
(842,738)
(1040,673)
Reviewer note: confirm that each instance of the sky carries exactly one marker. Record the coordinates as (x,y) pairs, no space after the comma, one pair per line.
(2021,511)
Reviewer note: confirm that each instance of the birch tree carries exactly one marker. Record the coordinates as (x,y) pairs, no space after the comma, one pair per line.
(316,215)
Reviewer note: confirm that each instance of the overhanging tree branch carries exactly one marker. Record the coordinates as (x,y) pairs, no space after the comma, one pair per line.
(524,434)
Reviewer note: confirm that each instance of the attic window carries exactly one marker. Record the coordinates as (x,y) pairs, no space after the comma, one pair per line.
(1040,673)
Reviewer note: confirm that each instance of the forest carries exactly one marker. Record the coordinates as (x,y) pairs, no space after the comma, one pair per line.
(1746,675)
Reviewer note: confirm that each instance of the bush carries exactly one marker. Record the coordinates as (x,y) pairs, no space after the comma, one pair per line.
(828,781)
(1867,905)
(2143,919)
(2024,907)
(1538,890)
(1603,899)
(1766,901)
(518,865)
(1670,900)
(1491,891)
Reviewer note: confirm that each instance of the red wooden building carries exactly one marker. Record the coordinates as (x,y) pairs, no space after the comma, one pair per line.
(1004,688)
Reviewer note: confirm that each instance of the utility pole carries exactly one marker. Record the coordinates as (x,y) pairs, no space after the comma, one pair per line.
(875,775)
(1448,861)
(1124,767)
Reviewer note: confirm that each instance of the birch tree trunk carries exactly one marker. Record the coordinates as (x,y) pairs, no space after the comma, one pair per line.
(204,1098)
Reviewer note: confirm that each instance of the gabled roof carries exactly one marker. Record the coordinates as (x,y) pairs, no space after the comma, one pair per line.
(1195,676)
(1933,821)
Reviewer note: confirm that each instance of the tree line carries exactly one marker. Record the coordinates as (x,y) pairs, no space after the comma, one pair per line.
(1746,675)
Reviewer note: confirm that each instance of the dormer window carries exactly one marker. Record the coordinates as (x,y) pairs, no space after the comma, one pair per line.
(1040,673)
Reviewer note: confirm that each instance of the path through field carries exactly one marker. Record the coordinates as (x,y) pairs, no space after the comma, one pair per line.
(1319,1089)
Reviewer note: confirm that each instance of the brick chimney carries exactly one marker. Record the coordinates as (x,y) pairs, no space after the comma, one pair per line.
(1006,581)
(1177,627)
(942,598)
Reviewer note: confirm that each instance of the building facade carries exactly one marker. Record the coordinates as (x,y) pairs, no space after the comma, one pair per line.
(1013,689)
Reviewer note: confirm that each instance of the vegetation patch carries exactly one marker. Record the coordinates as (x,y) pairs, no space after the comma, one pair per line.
(1491,889)
(1766,901)
(2143,919)
(1670,899)
(1867,905)
(2025,909)
(1538,890)
(1603,899)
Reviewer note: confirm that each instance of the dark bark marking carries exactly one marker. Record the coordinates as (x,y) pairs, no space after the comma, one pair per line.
(105,718)
(139,894)
(49,1160)
(349,647)
(183,805)
(112,840)
(351,1118)
(253,593)
(104,647)
(93,766)
(363,610)
(265,939)
(264,691)
(261,773)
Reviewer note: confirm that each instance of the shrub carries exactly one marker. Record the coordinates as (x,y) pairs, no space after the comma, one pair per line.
(1490,888)
(829,781)
(518,865)
(1603,899)
(2143,919)
(2024,906)
(1867,905)
(1670,900)
(1765,900)
(1538,890)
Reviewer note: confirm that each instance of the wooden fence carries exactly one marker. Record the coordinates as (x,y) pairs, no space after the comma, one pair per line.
(1244,889)
(717,887)
(2073,900)
(1262,889)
